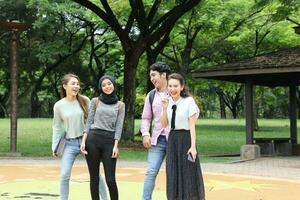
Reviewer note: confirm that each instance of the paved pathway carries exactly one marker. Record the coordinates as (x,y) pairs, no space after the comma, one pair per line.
(271,178)
(273,167)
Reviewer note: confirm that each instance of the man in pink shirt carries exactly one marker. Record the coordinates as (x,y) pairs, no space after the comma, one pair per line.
(156,142)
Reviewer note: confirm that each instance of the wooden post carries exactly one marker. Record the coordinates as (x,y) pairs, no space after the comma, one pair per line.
(249,111)
(293,114)
(13,93)
(14,27)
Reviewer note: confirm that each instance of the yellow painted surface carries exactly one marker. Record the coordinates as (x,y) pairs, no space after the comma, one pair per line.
(42,182)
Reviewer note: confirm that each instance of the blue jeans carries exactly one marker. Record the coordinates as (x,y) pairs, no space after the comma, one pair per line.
(71,151)
(156,155)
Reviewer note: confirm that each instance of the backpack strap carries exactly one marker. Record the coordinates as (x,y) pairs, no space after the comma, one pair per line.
(151,99)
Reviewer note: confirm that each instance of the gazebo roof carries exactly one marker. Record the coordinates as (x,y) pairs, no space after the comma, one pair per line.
(280,68)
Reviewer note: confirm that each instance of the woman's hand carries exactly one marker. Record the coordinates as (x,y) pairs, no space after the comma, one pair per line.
(193,153)
(164,117)
(115,152)
(82,148)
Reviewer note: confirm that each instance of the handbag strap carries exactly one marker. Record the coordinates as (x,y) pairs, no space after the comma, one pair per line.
(120,103)
(97,104)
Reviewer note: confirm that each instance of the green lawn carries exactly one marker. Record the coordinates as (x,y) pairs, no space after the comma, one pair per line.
(214,137)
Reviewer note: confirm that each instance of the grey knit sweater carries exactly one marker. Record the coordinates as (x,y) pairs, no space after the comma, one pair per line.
(107,117)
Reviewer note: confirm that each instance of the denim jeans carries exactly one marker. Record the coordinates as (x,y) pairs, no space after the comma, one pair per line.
(156,155)
(72,149)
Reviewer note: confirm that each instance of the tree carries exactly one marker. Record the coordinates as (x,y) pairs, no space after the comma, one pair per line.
(184,57)
(4,75)
(57,36)
(144,26)
(202,38)
(231,96)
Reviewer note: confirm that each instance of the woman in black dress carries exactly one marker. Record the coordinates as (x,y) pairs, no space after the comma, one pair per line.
(180,112)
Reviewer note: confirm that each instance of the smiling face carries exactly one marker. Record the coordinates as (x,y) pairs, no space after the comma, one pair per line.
(157,79)
(174,88)
(72,87)
(107,86)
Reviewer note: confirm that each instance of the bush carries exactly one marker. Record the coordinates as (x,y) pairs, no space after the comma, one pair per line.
(139,105)
(200,103)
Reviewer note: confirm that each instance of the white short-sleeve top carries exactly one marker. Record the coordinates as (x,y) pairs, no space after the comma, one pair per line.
(186,107)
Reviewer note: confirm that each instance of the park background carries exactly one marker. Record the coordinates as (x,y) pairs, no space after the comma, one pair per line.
(123,38)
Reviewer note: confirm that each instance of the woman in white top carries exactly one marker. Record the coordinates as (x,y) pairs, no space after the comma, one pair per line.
(180,112)
(70,114)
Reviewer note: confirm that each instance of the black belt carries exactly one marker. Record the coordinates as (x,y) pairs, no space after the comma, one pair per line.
(77,138)
(180,130)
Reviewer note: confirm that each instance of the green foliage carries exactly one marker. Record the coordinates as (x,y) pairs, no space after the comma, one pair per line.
(280,9)
(14,10)
(228,32)
(54,26)
(139,105)
(272,102)
(3,89)
(199,102)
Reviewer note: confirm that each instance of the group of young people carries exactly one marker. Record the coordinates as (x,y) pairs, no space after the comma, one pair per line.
(94,129)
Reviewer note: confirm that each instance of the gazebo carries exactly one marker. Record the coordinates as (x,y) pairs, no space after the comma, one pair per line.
(280,68)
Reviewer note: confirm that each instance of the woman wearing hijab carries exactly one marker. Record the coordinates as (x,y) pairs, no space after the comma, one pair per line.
(102,134)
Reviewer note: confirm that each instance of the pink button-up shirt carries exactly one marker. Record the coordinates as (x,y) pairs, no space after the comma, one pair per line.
(157,129)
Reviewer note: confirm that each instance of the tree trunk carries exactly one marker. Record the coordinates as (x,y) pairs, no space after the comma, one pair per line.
(184,66)
(2,111)
(255,122)
(35,106)
(298,101)
(234,112)
(151,58)
(235,102)
(13,94)
(222,107)
(130,66)
(152,55)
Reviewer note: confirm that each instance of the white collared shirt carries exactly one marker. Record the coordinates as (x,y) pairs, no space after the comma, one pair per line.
(186,107)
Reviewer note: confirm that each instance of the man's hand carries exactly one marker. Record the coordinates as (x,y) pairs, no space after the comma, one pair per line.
(147,141)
